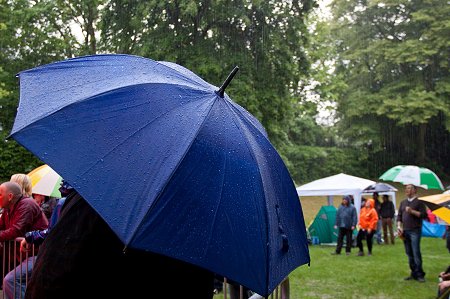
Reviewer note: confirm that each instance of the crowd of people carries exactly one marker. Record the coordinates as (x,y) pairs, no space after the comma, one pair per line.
(376,219)
(69,236)
(411,214)
(20,214)
(57,273)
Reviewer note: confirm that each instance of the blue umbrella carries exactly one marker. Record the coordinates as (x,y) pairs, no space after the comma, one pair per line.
(169,161)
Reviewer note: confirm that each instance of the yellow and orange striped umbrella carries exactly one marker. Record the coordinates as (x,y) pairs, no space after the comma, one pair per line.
(45,181)
(439,205)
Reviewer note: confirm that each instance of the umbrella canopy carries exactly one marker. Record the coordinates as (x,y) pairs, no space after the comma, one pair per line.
(45,181)
(439,204)
(379,187)
(415,175)
(170,162)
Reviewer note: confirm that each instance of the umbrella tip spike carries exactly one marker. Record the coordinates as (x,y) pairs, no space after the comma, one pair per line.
(221,90)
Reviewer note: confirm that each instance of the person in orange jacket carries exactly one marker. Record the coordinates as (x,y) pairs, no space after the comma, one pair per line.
(368,218)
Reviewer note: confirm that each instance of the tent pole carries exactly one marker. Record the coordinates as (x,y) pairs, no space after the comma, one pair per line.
(330,200)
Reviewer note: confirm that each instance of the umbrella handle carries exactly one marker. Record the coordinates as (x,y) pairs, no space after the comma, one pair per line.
(221,90)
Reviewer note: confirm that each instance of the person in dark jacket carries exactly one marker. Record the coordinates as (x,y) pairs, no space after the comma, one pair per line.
(82,257)
(409,225)
(46,203)
(346,220)
(387,213)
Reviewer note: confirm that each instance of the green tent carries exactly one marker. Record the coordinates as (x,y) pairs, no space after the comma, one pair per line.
(322,226)
(322,229)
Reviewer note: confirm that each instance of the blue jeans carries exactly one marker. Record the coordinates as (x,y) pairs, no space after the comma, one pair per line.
(412,249)
(16,279)
(378,233)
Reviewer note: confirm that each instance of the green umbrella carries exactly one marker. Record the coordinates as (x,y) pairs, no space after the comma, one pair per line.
(415,175)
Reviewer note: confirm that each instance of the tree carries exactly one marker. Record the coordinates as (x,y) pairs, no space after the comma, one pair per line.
(32,34)
(266,39)
(394,58)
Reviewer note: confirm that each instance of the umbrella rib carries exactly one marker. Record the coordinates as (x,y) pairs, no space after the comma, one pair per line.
(173,172)
(238,116)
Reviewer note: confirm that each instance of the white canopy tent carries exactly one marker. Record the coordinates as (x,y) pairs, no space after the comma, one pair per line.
(339,184)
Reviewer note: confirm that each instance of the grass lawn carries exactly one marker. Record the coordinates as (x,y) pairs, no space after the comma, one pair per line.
(377,276)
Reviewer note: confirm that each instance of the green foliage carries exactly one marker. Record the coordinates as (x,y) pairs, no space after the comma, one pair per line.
(394,58)
(378,61)
(266,39)
(312,162)
(14,159)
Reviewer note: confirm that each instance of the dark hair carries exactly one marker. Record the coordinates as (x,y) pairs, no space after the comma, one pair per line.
(414,186)
(65,188)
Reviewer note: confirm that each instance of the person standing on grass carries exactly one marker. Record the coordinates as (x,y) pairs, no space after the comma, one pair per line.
(409,225)
(379,224)
(387,213)
(368,219)
(346,220)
